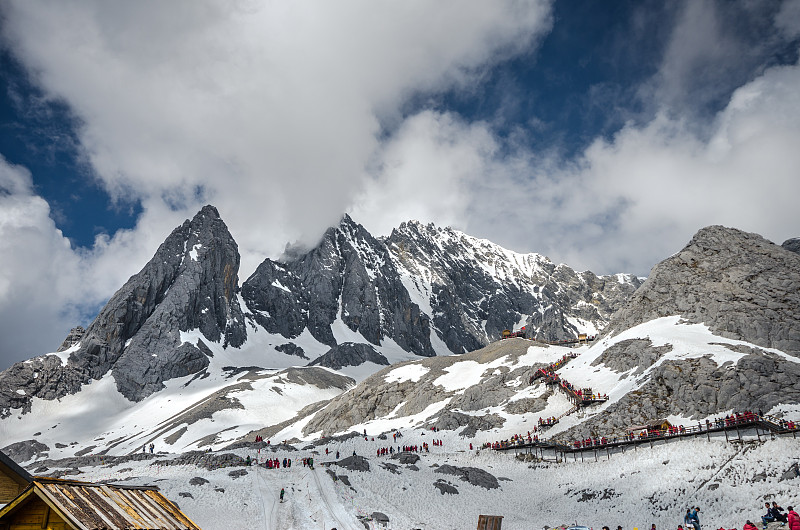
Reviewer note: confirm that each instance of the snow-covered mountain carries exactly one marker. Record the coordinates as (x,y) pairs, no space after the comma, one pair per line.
(184,359)
(353,303)
(714,329)
(183,330)
(474,289)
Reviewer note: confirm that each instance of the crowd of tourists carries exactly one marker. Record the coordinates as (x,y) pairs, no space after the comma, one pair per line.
(644,433)
(517,439)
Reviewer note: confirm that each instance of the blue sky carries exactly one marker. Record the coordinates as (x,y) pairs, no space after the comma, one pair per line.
(602,134)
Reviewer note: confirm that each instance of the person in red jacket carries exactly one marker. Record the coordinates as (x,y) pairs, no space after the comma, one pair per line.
(749,526)
(794,519)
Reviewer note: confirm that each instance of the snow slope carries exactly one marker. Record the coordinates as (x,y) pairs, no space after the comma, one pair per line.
(635,489)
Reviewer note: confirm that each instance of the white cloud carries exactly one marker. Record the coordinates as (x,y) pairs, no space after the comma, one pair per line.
(37,269)
(269,110)
(623,205)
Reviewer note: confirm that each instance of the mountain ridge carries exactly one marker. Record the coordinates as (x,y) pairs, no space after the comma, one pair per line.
(183,331)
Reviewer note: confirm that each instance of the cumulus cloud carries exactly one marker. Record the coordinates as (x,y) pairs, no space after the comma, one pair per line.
(37,267)
(625,203)
(269,110)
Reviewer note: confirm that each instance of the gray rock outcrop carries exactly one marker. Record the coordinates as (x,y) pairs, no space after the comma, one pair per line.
(445,487)
(354,463)
(73,337)
(698,388)
(473,475)
(406,458)
(25,450)
(290,348)
(349,354)
(792,245)
(632,353)
(738,284)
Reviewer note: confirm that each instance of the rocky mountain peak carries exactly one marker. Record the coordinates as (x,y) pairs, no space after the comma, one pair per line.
(476,288)
(190,283)
(348,276)
(739,284)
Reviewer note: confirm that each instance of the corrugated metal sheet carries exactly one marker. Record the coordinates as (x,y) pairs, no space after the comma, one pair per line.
(106,507)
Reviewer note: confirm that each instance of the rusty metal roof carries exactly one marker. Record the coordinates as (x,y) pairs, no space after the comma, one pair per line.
(109,507)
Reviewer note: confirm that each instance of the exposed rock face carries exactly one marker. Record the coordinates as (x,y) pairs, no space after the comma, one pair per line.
(792,245)
(190,283)
(453,420)
(423,280)
(698,388)
(738,284)
(406,458)
(24,451)
(290,348)
(379,395)
(445,487)
(73,337)
(354,463)
(639,353)
(348,276)
(477,289)
(349,354)
(425,289)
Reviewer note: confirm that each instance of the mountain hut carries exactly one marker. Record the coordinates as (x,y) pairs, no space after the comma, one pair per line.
(70,505)
(656,425)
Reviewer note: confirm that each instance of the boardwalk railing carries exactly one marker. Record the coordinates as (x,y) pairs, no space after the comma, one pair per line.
(736,422)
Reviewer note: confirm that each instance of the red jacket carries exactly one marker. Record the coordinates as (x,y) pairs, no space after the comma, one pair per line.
(749,527)
(794,520)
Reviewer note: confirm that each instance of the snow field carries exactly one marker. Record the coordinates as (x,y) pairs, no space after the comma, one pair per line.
(634,489)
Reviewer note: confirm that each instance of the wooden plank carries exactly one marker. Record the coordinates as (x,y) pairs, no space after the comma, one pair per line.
(46,516)
(51,501)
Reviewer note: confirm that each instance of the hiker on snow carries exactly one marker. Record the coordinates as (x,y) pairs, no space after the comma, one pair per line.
(282,492)
(769,516)
(794,519)
(777,511)
(695,518)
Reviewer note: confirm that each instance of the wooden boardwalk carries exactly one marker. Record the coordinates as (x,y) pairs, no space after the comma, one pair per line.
(747,423)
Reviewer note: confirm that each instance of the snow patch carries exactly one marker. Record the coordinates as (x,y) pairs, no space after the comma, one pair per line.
(409,372)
